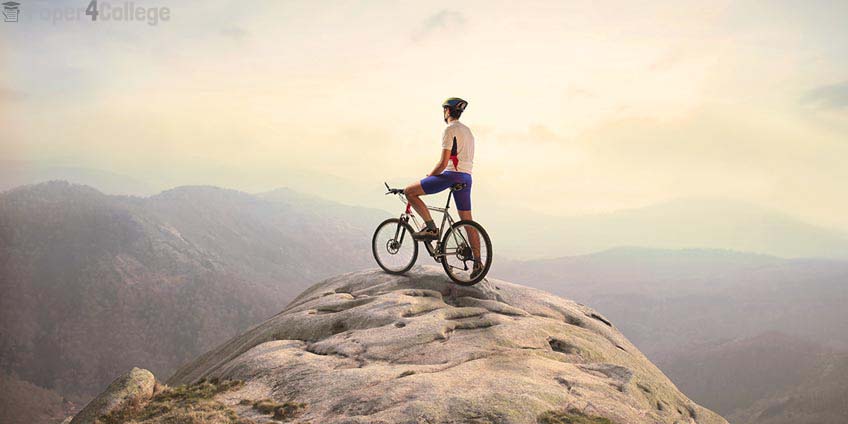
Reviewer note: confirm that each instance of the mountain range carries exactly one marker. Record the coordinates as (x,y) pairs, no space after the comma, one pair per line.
(94,283)
(701,223)
(767,379)
(522,232)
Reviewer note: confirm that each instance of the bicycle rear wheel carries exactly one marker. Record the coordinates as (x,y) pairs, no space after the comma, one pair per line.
(393,246)
(460,253)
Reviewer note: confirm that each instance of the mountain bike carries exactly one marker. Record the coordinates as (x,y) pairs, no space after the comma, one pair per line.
(396,251)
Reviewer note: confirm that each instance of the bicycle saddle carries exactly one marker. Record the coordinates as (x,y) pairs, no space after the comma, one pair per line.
(459,186)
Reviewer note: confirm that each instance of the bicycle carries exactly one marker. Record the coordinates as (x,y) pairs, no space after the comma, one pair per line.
(396,251)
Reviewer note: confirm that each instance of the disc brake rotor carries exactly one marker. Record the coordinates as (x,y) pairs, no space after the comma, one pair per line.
(392,246)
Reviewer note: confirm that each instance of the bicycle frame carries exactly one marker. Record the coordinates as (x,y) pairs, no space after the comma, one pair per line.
(436,253)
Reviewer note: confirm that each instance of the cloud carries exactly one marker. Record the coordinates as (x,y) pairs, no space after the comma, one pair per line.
(834,96)
(448,20)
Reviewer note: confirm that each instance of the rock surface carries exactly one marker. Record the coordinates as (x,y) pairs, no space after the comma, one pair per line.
(131,389)
(369,347)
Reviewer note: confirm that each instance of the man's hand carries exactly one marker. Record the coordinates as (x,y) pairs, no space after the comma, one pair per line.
(443,163)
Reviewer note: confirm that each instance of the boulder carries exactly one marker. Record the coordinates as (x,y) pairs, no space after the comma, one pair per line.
(131,390)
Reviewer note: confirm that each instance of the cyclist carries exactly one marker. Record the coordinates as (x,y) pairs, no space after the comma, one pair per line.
(454,166)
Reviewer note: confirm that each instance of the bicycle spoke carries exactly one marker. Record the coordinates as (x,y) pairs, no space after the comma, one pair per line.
(393,249)
(465,250)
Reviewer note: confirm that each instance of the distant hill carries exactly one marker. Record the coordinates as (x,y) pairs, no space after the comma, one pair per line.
(682,223)
(93,284)
(734,375)
(22,402)
(19,173)
(772,378)
(819,399)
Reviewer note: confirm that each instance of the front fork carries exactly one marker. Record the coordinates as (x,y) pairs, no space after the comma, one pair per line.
(400,231)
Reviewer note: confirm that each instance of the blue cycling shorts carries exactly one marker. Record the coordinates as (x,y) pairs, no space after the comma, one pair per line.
(436,183)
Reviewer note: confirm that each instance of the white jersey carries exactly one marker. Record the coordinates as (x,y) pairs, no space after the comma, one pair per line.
(458,139)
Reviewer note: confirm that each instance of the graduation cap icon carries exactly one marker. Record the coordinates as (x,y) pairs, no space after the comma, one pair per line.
(10,11)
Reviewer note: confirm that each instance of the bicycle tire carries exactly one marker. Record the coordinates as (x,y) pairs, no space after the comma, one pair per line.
(407,238)
(488,245)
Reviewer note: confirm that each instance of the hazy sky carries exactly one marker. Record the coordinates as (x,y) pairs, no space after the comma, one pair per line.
(576,106)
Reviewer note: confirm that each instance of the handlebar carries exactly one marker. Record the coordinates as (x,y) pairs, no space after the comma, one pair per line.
(393,190)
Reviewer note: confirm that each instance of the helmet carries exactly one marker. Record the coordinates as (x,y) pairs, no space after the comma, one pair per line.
(455,104)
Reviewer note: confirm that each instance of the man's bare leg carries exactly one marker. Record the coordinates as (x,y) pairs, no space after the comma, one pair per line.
(472,234)
(413,193)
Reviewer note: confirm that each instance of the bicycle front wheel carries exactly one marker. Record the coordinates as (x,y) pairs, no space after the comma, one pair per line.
(393,246)
(464,244)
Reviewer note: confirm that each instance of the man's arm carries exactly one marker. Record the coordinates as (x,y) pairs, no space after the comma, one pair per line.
(443,163)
